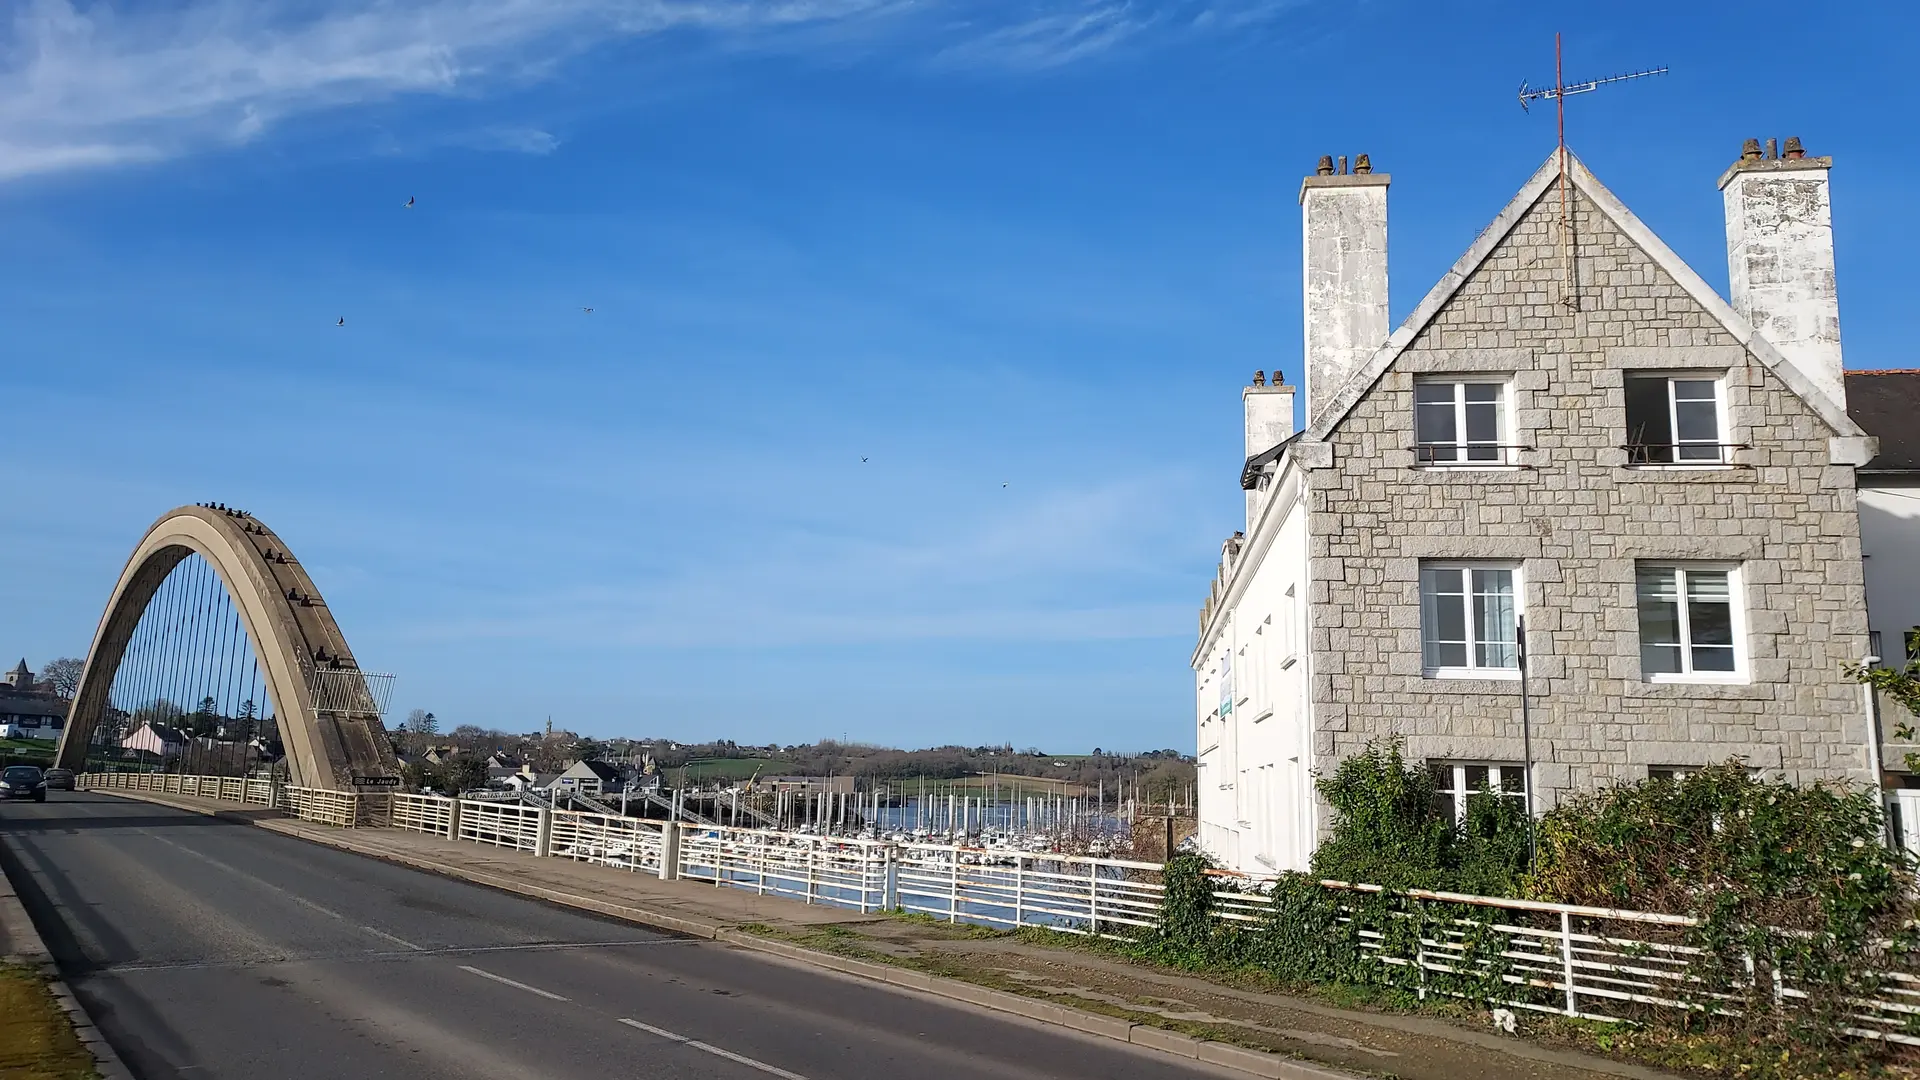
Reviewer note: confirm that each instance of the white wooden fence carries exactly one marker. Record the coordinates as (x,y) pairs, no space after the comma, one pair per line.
(1576,961)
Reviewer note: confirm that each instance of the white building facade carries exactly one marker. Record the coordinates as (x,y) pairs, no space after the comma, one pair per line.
(1571,432)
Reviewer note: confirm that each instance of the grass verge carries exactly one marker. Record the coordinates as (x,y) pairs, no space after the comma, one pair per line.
(37,1040)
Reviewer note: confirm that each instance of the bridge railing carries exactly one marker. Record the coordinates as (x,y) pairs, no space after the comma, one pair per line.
(421,813)
(507,825)
(340,808)
(1596,963)
(607,839)
(1003,887)
(815,869)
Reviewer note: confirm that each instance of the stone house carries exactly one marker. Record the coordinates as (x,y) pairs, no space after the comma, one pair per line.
(1571,434)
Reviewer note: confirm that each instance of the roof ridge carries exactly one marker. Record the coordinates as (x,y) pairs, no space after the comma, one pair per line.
(1362,379)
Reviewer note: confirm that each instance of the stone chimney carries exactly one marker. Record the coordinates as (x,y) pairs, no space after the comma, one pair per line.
(1269,423)
(1344,232)
(1780,257)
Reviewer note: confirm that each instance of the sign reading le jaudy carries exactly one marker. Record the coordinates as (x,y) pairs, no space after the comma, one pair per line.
(376,781)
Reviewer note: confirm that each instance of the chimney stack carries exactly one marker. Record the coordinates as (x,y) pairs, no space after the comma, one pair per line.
(1269,423)
(1344,232)
(1780,265)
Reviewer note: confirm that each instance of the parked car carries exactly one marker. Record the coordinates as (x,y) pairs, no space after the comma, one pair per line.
(23,782)
(58,779)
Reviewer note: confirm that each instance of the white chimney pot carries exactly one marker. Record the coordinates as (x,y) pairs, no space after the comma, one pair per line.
(1780,265)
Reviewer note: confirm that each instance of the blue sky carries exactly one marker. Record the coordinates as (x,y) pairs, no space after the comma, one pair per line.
(1019,256)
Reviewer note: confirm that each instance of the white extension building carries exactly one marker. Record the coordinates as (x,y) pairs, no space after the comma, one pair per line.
(1572,433)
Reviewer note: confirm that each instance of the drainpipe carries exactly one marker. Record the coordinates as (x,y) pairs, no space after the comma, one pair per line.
(1872,712)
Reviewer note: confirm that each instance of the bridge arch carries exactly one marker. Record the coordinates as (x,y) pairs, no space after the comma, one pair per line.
(328,716)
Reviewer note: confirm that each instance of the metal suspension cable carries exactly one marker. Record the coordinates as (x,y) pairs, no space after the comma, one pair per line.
(225,704)
(168,633)
(190,652)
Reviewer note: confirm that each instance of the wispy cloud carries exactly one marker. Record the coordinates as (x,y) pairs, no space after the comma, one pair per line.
(104,84)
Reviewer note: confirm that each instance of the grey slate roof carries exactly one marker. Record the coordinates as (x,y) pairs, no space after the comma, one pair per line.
(1887,405)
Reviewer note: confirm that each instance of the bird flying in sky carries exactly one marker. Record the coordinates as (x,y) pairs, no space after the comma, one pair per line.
(342,322)
(409,205)
(588,310)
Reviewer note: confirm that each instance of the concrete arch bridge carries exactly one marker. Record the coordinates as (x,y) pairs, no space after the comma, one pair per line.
(215,645)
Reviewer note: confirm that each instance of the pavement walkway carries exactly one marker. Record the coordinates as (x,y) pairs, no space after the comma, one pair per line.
(1265,1034)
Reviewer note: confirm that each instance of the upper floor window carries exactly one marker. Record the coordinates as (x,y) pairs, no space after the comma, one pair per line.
(1468,620)
(1676,420)
(1460,423)
(1689,622)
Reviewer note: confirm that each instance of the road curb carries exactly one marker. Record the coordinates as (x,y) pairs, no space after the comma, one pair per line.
(1225,1055)
(27,947)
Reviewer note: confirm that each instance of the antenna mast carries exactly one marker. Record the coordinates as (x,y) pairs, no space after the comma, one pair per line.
(1559,92)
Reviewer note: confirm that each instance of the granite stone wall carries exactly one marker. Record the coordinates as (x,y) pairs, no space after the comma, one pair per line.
(1577,519)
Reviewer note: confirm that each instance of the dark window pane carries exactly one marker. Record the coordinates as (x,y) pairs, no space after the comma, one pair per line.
(1713,658)
(1435,423)
(1659,659)
(1476,777)
(1648,423)
(1442,775)
(1482,392)
(1699,421)
(1483,422)
(1513,778)
(1434,393)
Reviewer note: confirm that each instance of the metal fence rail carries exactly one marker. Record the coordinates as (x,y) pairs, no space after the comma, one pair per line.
(1578,961)
(506,825)
(327,807)
(420,813)
(1078,894)
(815,869)
(608,840)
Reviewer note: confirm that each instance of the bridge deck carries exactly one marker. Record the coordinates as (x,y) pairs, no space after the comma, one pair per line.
(207,948)
(1412,1047)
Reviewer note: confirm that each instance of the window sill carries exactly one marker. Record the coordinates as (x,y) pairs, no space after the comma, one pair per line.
(1469,466)
(1681,691)
(1712,474)
(1263,716)
(1291,660)
(1702,678)
(1474,674)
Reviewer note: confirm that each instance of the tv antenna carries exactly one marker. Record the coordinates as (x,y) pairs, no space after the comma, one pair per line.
(1558,93)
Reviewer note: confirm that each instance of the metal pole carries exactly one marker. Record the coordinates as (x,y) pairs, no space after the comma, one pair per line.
(1526,735)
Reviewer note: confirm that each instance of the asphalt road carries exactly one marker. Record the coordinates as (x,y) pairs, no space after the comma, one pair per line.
(209,949)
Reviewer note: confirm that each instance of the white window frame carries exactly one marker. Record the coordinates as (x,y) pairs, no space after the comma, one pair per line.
(1723,429)
(1497,771)
(1504,452)
(1737,610)
(1467,566)
(1736,602)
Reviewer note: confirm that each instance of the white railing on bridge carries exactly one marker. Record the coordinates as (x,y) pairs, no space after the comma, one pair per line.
(1577,961)
(507,825)
(420,813)
(341,808)
(607,839)
(814,869)
(1074,893)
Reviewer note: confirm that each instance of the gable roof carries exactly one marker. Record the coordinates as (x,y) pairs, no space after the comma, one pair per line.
(1362,380)
(600,769)
(1886,404)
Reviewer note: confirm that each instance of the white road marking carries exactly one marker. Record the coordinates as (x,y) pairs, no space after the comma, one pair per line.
(295,897)
(548,994)
(714,1050)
